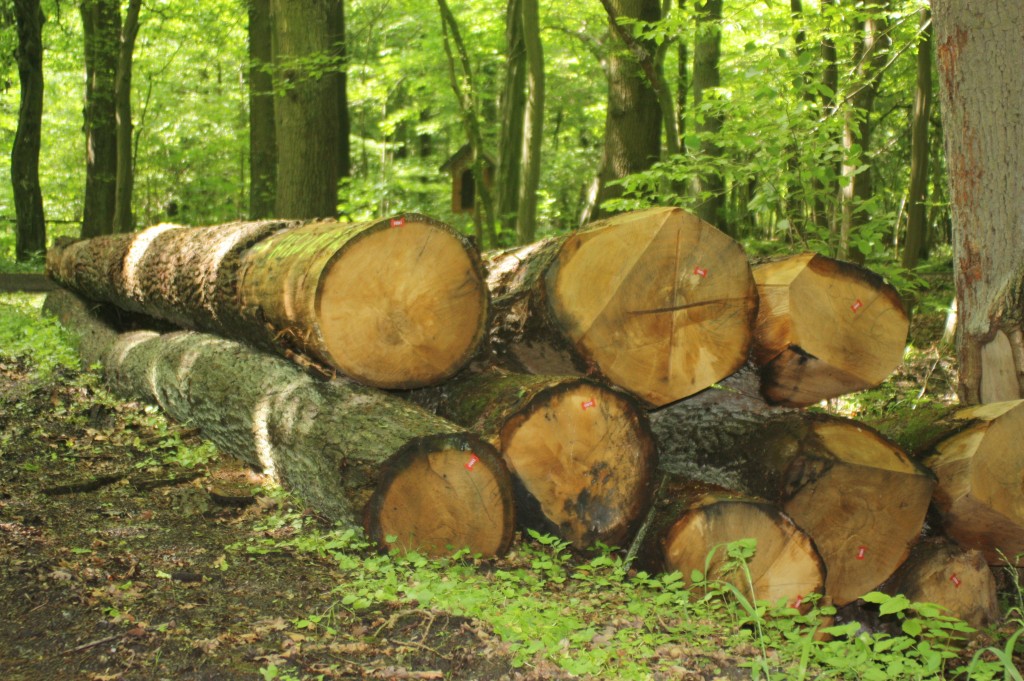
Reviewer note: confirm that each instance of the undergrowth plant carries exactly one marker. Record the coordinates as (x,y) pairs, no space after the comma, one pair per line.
(25,333)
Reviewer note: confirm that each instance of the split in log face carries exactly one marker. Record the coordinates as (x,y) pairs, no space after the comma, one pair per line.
(860,498)
(437,496)
(397,303)
(583,458)
(785,565)
(824,328)
(659,300)
(981,481)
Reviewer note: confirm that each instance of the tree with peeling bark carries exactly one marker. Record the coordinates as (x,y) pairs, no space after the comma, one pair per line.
(980,51)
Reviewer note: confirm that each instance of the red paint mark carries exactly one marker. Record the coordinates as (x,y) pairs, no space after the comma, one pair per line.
(700,271)
(861,550)
(397,222)
(588,404)
(956,580)
(799,601)
(473,458)
(857,305)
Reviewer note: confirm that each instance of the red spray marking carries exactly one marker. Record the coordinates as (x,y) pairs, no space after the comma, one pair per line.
(956,580)
(397,222)
(473,458)
(700,271)
(799,601)
(861,550)
(857,305)
(588,404)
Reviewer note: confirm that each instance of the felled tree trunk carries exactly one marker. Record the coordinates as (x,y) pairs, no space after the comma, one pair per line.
(950,576)
(980,494)
(581,454)
(860,498)
(351,452)
(393,303)
(824,328)
(657,302)
(785,564)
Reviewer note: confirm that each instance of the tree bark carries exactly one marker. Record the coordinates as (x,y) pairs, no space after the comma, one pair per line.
(30,234)
(825,328)
(709,187)
(632,138)
(339,74)
(101,28)
(306,114)
(658,302)
(352,453)
(581,454)
(981,86)
(916,245)
(512,106)
(124,220)
(396,303)
(262,138)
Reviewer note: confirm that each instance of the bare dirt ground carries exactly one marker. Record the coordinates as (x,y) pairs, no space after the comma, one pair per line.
(113,565)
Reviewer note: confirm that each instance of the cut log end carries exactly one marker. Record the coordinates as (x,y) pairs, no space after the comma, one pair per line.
(861,499)
(825,328)
(785,565)
(659,300)
(403,306)
(584,457)
(441,494)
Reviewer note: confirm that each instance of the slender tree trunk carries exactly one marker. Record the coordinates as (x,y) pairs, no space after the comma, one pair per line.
(513,104)
(465,93)
(632,140)
(980,52)
(682,84)
(306,112)
(101,28)
(916,244)
(829,103)
(339,51)
(30,236)
(533,123)
(124,220)
(262,138)
(869,55)
(710,186)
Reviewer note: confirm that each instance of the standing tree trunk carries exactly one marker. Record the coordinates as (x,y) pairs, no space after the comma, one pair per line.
(339,74)
(30,237)
(512,106)
(980,53)
(305,112)
(709,187)
(632,137)
(533,123)
(262,138)
(916,244)
(124,221)
(101,28)
(869,56)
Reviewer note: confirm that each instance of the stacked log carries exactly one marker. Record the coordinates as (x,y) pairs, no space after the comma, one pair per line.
(657,302)
(581,454)
(354,453)
(393,303)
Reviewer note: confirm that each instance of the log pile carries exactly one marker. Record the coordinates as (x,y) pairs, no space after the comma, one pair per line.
(635,381)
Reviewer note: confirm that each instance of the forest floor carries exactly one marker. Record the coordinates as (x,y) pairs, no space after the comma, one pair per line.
(120,560)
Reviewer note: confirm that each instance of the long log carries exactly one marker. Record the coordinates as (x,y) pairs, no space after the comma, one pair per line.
(351,452)
(581,454)
(393,303)
(657,302)
(957,579)
(980,494)
(860,497)
(824,328)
